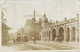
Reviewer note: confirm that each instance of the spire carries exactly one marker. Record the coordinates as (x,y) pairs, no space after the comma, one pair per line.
(34,16)
(44,14)
(34,13)
(2,14)
(45,19)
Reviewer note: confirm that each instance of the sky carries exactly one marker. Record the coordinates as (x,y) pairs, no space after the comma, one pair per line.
(54,9)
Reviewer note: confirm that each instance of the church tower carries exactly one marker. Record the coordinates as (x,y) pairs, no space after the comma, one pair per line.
(44,20)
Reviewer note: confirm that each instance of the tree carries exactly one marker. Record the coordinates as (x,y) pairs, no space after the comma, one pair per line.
(5,28)
(5,34)
(32,28)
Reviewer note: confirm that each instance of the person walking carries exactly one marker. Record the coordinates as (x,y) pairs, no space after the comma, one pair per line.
(34,40)
(14,41)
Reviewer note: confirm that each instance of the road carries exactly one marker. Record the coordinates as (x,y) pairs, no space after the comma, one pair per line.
(45,46)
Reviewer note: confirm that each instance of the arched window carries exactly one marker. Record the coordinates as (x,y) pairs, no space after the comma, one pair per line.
(68,35)
(61,34)
(53,34)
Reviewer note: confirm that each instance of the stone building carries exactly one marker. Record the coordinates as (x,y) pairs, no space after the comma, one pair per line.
(30,30)
(64,31)
(36,27)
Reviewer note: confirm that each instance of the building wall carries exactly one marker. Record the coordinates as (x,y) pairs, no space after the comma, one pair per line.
(70,31)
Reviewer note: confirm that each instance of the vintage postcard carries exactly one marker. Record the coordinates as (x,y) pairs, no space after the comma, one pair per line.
(37,25)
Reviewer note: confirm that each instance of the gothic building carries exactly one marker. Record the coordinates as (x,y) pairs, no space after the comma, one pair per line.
(32,28)
(64,31)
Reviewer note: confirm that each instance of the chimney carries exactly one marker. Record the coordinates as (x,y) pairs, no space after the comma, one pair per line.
(65,18)
(77,15)
(57,21)
(53,21)
(50,21)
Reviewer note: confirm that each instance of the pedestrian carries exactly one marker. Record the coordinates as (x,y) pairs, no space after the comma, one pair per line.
(14,41)
(34,40)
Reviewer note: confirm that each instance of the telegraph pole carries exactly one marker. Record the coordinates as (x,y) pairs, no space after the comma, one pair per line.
(34,29)
(34,22)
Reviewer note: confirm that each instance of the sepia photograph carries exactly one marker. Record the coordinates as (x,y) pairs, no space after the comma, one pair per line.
(40,25)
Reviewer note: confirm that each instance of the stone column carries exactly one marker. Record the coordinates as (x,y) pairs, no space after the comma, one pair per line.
(45,35)
(57,34)
(78,30)
(42,36)
(65,34)
(65,30)
(48,34)
(51,35)
(70,34)
(76,36)
(77,33)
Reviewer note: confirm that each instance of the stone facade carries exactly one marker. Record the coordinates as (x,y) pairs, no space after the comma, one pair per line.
(67,31)
(32,29)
